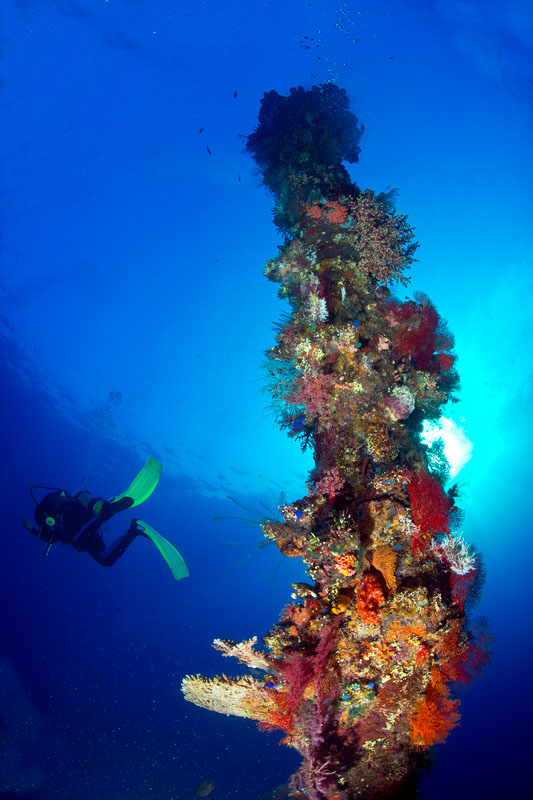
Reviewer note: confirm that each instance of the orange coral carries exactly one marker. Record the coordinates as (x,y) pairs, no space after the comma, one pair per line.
(385,559)
(315,212)
(332,212)
(301,615)
(335,213)
(435,715)
(397,630)
(278,717)
(452,652)
(369,599)
(462,655)
(422,655)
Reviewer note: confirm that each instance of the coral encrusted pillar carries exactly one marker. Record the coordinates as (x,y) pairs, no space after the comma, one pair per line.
(361,669)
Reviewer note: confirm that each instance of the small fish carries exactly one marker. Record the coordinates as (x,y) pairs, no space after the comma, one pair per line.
(204,789)
(299,423)
(235,94)
(239,178)
(201,130)
(209,151)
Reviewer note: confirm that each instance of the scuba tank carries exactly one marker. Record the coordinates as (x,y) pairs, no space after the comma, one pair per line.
(60,515)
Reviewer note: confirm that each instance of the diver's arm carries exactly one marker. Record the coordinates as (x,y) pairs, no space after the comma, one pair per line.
(45,533)
(27,524)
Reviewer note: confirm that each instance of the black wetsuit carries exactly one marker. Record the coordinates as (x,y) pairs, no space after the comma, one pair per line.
(77,519)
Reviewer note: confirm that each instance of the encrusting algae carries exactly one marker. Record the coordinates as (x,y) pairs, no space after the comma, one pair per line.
(360,670)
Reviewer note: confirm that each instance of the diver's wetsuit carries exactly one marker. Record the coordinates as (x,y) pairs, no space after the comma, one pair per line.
(62,517)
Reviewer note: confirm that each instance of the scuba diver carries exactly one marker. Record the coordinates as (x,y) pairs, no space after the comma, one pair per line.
(77,520)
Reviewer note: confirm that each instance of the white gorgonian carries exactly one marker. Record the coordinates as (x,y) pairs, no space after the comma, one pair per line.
(316,309)
(456,552)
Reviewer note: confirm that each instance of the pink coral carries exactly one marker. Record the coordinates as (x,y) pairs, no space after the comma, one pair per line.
(315,393)
(331,484)
(400,403)
(347,564)
(385,240)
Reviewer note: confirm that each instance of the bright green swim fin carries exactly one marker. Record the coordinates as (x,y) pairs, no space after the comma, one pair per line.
(168,551)
(143,485)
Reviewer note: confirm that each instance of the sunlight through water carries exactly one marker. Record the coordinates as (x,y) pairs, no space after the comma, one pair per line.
(457,446)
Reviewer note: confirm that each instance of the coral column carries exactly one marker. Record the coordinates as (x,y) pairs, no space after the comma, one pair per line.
(360,670)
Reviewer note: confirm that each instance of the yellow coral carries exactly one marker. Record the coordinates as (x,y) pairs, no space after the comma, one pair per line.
(243,651)
(240,697)
(385,559)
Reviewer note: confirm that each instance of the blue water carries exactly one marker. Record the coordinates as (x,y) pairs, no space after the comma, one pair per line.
(133,319)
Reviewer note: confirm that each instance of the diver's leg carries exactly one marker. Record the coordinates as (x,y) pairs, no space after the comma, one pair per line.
(89,533)
(108,555)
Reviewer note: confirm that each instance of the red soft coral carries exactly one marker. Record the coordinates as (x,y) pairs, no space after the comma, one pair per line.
(463,654)
(430,505)
(461,586)
(421,333)
(296,672)
(417,336)
(446,361)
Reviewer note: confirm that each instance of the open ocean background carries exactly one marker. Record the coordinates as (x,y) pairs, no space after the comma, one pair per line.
(133,319)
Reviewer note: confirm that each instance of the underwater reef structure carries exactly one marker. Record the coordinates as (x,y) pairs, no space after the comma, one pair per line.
(361,669)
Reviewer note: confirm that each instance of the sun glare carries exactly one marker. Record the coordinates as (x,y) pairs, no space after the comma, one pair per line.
(457,446)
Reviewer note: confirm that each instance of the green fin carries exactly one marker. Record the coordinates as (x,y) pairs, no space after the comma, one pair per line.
(144,484)
(168,551)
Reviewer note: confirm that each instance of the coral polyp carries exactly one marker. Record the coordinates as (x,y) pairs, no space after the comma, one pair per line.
(361,669)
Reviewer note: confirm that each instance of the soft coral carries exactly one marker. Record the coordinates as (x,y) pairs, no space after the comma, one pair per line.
(430,505)
(435,715)
(422,332)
